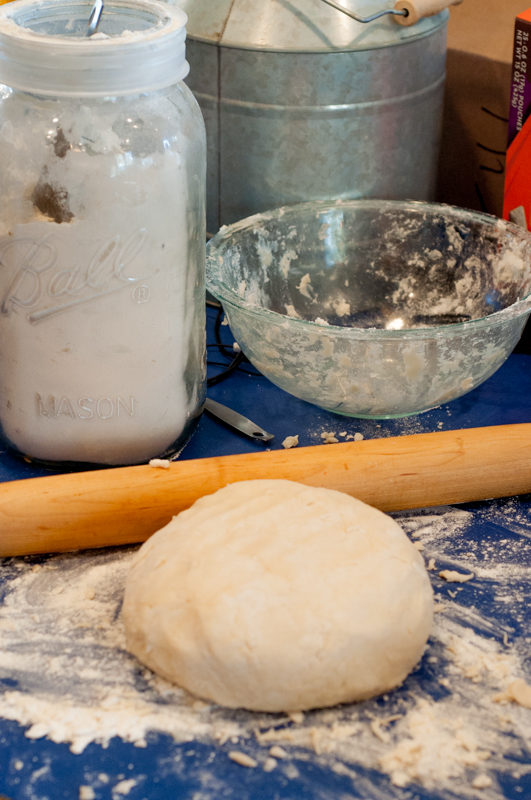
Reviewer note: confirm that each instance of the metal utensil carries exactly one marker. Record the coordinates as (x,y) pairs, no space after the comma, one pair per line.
(95,16)
(411,11)
(393,11)
(237,421)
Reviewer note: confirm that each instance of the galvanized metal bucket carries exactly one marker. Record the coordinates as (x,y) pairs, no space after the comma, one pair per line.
(301,102)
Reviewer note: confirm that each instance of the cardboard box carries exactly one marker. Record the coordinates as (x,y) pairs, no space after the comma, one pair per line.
(517,202)
(474,141)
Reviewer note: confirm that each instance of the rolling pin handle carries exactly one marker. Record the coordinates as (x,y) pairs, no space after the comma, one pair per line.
(418,9)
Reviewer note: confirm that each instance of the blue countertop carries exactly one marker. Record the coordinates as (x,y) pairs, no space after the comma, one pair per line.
(490,535)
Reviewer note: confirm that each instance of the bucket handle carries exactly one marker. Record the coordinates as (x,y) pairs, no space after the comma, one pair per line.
(417,9)
(405,12)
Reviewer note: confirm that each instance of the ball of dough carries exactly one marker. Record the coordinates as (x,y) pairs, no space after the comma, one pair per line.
(274,596)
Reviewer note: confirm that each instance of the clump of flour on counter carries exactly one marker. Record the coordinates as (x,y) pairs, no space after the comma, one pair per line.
(413,757)
(242,759)
(518,692)
(290,441)
(452,576)
(159,463)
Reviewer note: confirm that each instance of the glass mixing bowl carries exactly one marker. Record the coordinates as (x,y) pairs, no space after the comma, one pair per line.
(373,308)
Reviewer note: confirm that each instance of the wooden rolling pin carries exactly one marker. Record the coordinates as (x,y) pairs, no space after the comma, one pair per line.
(128,504)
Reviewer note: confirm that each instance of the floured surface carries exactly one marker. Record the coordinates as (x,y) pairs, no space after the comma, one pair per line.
(444,734)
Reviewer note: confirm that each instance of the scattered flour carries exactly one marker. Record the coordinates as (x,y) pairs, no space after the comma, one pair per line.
(124,787)
(458,723)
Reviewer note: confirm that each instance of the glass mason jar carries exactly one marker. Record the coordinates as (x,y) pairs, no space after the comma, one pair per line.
(102,233)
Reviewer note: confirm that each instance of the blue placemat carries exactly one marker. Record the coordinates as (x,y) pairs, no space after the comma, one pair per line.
(488,613)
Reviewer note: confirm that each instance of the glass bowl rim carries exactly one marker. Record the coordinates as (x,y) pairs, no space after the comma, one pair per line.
(229,297)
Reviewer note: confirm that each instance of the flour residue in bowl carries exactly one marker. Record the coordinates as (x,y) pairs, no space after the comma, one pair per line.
(399,289)
(412,268)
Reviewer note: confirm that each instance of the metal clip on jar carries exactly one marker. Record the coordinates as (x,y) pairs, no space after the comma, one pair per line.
(102,232)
